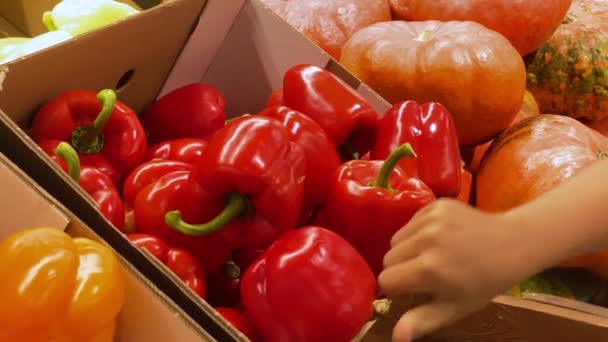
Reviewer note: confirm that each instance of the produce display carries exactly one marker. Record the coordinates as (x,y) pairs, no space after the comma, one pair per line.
(232,203)
(453,63)
(526,24)
(66,20)
(568,73)
(280,218)
(58,288)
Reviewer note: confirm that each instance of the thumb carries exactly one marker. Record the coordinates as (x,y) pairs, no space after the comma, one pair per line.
(423,320)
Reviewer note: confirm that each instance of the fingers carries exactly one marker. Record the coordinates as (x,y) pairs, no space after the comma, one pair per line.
(413,276)
(405,250)
(417,222)
(437,210)
(425,319)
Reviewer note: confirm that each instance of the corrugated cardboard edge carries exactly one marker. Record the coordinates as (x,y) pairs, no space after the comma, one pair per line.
(76,227)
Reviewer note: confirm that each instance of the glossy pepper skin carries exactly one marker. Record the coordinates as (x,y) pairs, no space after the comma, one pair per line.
(195,110)
(317,272)
(186,150)
(369,201)
(94,182)
(239,320)
(321,155)
(182,263)
(58,288)
(178,190)
(148,173)
(430,130)
(275,98)
(253,162)
(97,126)
(346,116)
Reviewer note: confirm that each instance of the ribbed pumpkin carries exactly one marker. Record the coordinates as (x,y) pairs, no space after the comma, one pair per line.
(569,74)
(525,23)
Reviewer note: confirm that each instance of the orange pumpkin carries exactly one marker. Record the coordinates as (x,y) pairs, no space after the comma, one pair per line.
(526,24)
(474,72)
(330,23)
(528,109)
(533,157)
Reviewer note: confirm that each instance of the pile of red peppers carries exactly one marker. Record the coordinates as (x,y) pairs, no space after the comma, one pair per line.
(278,219)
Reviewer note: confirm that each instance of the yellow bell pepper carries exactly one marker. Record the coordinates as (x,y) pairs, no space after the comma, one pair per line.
(55,288)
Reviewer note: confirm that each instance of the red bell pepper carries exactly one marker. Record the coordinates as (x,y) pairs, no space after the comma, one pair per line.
(369,201)
(321,156)
(178,190)
(347,117)
(182,263)
(240,321)
(192,111)
(95,125)
(224,287)
(430,130)
(253,162)
(187,150)
(310,285)
(148,173)
(94,182)
(275,99)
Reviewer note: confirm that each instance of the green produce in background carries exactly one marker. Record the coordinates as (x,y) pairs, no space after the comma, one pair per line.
(14,48)
(81,16)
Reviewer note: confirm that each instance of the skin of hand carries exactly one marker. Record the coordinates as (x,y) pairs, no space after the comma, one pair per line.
(462,257)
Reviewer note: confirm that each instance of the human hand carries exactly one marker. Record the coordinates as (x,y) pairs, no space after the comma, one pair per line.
(459,256)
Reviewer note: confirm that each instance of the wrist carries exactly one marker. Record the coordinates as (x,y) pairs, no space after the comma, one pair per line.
(544,241)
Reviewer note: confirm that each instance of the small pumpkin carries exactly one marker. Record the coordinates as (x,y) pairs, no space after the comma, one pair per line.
(473,71)
(526,24)
(533,157)
(528,109)
(330,23)
(569,73)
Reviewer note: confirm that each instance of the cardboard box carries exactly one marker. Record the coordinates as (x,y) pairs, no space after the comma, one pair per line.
(24,205)
(7,29)
(27,14)
(243,49)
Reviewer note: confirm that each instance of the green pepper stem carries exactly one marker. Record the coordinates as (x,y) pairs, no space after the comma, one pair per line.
(389,165)
(89,139)
(69,155)
(236,206)
(47,20)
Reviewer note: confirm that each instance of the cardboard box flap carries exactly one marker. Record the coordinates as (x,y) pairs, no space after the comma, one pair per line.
(9,30)
(247,60)
(16,192)
(61,67)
